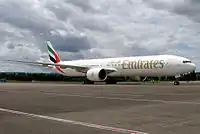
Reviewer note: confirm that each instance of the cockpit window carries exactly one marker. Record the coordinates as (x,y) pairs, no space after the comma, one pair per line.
(187,61)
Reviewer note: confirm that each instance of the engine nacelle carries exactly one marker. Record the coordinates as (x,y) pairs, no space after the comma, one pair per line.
(96,74)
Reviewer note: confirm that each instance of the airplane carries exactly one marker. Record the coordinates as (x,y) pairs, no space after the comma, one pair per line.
(107,69)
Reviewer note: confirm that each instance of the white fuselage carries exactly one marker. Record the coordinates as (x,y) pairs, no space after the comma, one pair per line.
(155,65)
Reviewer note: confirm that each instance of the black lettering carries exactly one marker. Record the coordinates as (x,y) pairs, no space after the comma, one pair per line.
(125,64)
(141,64)
(158,63)
(155,63)
(162,63)
(133,64)
(138,64)
(151,64)
(129,64)
(146,65)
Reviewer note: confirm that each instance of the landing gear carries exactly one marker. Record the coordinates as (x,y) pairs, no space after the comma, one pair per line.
(176,82)
(111,82)
(108,81)
(86,81)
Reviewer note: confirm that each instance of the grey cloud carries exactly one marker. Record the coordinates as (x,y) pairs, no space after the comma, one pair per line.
(62,10)
(188,8)
(26,18)
(71,56)
(85,6)
(21,16)
(79,18)
(70,44)
(93,29)
(157,4)
(92,23)
(10,46)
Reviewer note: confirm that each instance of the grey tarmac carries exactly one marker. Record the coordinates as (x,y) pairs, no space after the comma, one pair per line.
(111,109)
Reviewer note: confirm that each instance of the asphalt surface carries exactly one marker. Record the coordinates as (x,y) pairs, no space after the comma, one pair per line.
(66,108)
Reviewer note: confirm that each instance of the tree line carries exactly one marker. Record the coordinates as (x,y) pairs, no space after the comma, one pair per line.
(22,76)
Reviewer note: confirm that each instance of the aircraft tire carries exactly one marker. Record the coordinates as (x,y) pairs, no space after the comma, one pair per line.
(176,83)
(88,82)
(111,82)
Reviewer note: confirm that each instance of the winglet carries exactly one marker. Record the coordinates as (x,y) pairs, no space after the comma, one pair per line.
(53,56)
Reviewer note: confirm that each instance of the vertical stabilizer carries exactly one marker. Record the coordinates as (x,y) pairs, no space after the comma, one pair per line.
(53,56)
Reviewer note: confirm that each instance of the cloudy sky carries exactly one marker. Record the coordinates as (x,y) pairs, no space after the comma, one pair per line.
(81,29)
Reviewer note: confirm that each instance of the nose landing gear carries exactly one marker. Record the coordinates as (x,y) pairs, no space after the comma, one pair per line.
(176,82)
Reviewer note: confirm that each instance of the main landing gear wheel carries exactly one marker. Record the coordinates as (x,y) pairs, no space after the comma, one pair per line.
(176,83)
(111,82)
(88,82)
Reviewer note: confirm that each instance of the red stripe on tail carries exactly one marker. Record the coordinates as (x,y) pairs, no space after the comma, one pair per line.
(59,69)
(56,56)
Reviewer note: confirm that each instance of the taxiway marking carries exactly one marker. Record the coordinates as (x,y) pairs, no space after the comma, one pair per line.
(110,98)
(90,125)
(123,99)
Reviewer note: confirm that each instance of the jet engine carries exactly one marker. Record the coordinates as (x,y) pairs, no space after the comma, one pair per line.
(96,74)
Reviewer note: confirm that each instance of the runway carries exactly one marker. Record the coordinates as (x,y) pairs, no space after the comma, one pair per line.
(112,109)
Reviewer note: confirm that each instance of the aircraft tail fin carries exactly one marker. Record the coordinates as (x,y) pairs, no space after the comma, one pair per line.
(53,56)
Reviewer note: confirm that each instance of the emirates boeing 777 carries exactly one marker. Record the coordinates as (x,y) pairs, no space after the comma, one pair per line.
(107,69)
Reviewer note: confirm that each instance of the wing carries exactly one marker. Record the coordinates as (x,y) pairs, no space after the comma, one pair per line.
(82,69)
